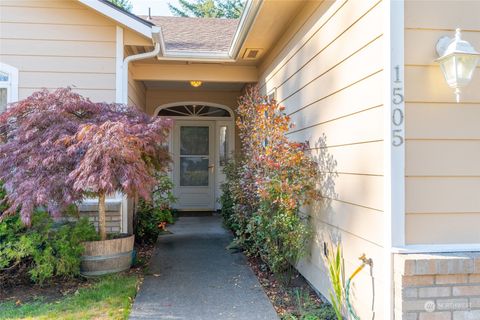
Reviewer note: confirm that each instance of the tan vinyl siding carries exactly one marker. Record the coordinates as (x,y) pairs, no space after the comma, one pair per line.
(58,44)
(137,94)
(330,79)
(442,137)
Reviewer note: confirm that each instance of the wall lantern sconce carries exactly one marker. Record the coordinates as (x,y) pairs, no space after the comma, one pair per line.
(458,60)
(195,83)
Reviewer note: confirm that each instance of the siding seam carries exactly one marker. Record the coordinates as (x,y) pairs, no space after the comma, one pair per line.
(330,69)
(346,144)
(326,47)
(335,119)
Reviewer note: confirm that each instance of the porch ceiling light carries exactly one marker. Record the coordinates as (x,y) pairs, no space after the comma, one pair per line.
(458,60)
(195,83)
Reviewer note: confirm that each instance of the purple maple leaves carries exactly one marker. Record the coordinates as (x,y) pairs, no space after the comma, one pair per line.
(57,147)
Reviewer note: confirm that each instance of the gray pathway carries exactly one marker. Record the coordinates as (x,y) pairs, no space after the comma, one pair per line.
(194,277)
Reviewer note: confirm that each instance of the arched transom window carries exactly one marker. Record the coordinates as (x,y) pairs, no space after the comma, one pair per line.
(194,110)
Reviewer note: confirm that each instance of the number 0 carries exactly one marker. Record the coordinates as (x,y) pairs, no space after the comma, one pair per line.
(397,117)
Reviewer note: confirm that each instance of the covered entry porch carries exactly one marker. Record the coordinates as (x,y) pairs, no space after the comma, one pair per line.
(202,138)
(158,60)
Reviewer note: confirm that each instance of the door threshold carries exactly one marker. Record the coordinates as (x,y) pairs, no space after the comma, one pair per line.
(195,213)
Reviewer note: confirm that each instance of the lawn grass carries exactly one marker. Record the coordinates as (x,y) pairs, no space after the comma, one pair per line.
(109,297)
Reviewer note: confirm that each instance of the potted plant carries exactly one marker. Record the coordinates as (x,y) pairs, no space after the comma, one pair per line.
(120,155)
(56,148)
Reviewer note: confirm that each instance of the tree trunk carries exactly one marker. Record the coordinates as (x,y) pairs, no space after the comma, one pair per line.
(102,226)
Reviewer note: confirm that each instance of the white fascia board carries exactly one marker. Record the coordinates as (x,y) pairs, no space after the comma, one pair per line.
(119,17)
(250,12)
(214,57)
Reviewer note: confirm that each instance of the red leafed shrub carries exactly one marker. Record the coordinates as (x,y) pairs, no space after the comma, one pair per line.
(58,147)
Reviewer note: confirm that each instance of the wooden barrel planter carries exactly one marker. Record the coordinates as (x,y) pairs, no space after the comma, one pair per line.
(107,256)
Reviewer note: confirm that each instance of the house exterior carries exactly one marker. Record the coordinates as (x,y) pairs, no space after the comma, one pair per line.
(399,156)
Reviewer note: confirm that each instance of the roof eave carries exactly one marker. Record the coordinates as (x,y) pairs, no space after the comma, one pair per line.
(252,7)
(121,16)
(146,29)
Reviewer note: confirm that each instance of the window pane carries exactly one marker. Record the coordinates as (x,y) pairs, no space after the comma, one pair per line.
(3,76)
(213,112)
(175,111)
(194,141)
(3,99)
(223,145)
(194,172)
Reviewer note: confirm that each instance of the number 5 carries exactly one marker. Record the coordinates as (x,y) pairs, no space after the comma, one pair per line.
(397,96)
(397,139)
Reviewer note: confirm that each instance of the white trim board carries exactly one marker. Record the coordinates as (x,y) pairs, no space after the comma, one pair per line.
(437,248)
(12,89)
(119,64)
(119,17)
(394,143)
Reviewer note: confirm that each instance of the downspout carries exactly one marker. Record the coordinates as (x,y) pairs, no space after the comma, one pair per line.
(159,46)
(157,38)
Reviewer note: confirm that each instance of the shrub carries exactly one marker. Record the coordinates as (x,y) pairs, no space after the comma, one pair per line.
(46,249)
(3,202)
(227,199)
(151,216)
(59,147)
(265,190)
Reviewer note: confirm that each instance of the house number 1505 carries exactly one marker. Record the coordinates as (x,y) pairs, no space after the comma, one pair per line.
(397,109)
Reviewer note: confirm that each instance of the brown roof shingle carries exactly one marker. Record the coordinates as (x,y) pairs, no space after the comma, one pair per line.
(196,34)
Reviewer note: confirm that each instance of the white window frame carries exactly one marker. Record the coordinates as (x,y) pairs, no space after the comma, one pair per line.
(12,84)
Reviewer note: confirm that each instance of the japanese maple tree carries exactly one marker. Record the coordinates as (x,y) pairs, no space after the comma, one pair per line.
(57,148)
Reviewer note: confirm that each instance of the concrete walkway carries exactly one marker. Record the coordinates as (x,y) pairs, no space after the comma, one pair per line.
(194,277)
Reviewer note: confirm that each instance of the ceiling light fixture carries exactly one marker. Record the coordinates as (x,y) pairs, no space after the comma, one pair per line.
(195,83)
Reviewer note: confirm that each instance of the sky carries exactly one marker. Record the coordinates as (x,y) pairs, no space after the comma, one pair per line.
(159,7)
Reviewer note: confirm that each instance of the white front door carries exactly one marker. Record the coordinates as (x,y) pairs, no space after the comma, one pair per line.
(193,173)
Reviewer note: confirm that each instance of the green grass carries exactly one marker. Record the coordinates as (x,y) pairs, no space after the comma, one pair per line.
(109,298)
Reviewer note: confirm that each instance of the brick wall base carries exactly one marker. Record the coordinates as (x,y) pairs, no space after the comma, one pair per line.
(113,215)
(438,286)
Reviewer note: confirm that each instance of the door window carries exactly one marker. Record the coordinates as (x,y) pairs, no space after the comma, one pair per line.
(194,156)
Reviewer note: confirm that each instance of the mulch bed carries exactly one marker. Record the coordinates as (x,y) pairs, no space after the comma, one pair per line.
(20,289)
(282,295)
(15,285)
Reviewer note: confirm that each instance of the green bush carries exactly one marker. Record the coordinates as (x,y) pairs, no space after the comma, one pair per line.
(279,238)
(152,215)
(3,194)
(227,199)
(46,249)
(265,190)
(149,222)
